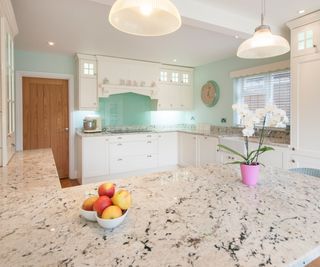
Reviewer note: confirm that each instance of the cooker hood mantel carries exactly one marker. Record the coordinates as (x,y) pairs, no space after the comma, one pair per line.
(108,90)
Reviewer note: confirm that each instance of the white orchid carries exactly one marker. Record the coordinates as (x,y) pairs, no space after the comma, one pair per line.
(248,132)
(274,116)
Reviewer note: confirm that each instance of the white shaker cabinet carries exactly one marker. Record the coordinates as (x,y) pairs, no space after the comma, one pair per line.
(187,149)
(93,157)
(175,90)
(87,87)
(207,149)
(305,95)
(168,149)
(133,152)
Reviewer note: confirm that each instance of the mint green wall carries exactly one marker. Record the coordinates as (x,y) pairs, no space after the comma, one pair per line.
(43,62)
(219,71)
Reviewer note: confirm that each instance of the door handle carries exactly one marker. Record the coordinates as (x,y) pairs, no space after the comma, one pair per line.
(66,129)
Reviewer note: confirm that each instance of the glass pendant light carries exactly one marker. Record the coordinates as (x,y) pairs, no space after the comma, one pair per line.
(263,44)
(145,17)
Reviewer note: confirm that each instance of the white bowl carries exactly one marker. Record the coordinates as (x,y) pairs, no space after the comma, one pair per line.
(89,215)
(111,223)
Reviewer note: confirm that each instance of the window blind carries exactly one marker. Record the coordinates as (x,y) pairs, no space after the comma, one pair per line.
(267,88)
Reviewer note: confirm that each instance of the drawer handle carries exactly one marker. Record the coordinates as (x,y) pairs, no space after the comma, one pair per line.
(119,159)
(149,156)
(293,161)
(149,142)
(149,135)
(293,149)
(119,137)
(119,144)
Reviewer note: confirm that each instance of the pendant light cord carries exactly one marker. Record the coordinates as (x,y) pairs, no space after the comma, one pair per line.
(263,11)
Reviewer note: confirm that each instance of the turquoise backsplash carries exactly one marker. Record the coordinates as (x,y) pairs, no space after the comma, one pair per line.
(125,109)
(132,109)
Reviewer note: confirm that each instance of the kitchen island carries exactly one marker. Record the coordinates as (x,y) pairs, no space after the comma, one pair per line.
(188,217)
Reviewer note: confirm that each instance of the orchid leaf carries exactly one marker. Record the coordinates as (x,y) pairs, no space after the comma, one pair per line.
(235,162)
(232,151)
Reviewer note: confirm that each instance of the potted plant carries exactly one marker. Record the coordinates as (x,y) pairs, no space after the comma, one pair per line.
(270,116)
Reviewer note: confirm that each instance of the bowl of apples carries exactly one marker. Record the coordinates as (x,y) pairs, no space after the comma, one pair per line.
(109,209)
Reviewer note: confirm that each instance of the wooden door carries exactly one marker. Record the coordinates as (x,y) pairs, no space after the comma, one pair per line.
(45,119)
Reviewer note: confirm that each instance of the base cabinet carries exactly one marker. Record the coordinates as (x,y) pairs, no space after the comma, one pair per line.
(187,149)
(303,161)
(197,150)
(93,153)
(207,149)
(168,149)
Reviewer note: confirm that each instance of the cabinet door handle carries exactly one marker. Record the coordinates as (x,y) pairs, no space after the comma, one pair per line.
(119,159)
(293,149)
(119,137)
(149,156)
(119,144)
(293,161)
(149,142)
(149,135)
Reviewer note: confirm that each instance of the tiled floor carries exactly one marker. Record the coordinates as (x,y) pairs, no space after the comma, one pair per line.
(66,182)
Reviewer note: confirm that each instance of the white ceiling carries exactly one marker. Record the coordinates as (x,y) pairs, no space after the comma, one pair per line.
(207,33)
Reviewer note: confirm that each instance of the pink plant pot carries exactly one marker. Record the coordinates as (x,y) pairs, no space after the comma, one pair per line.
(250,174)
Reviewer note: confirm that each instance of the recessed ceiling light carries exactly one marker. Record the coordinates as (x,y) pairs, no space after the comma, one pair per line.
(301,11)
(236,36)
(174,60)
(51,43)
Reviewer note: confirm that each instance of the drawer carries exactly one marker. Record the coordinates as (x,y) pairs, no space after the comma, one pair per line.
(133,148)
(132,137)
(133,163)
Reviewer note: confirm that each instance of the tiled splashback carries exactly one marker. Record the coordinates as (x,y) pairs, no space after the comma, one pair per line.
(131,109)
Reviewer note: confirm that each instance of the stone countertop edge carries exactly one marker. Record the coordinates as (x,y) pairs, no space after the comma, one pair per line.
(267,142)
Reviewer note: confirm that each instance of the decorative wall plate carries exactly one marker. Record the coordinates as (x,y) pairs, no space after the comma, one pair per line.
(210,93)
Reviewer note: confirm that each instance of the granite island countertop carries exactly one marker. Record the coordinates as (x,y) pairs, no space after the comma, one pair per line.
(189,217)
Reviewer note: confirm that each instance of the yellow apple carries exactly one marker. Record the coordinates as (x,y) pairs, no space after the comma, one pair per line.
(122,199)
(111,212)
(88,203)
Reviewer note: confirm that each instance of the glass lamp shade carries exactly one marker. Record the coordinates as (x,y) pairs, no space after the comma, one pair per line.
(263,44)
(145,17)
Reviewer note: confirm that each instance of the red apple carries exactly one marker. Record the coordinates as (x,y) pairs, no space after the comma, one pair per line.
(89,202)
(106,189)
(102,203)
(111,212)
(122,199)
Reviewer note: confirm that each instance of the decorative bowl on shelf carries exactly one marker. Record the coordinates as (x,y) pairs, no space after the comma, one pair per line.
(89,215)
(111,223)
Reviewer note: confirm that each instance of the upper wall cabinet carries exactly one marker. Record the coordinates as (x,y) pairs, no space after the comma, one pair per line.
(117,76)
(175,88)
(305,35)
(87,82)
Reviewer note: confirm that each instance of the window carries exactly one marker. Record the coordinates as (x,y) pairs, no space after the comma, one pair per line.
(305,40)
(262,89)
(175,77)
(163,76)
(88,68)
(185,78)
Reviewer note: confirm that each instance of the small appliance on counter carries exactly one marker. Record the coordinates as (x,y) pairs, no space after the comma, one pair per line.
(92,124)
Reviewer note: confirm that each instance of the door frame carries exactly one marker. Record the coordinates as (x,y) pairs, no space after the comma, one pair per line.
(19,111)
